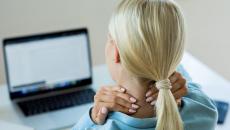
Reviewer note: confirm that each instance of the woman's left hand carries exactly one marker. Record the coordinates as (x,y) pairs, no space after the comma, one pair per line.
(178,90)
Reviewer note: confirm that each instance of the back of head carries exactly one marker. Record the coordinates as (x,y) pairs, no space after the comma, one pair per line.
(150,39)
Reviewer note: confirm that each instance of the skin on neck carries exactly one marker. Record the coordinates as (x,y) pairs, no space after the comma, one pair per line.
(137,89)
(122,77)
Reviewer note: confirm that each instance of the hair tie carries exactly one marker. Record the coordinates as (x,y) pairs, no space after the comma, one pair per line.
(163,84)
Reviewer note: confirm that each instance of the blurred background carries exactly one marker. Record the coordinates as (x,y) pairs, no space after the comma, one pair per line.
(208,27)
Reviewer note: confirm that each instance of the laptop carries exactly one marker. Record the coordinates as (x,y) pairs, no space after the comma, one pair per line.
(49,77)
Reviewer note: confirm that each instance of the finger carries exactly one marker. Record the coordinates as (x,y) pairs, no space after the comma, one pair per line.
(117,107)
(178,85)
(152,98)
(102,98)
(102,91)
(153,103)
(122,99)
(116,99)
(119,89)
(173,78)
(151,91)
(126,97)
(126,100)
(123,96)
(101,116)
(110,89)
(116,91)
(180,93)
(124,103)
(116,88)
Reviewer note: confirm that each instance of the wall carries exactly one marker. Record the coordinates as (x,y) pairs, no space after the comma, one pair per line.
(22,17)
(208,32)
(207,25)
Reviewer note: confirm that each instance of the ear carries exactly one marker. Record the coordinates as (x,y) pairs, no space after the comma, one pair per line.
(116,54)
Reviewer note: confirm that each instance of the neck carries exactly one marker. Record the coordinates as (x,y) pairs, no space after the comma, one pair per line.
(138,90)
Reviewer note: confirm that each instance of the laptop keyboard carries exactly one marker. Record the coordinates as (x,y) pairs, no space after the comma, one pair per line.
(57,102)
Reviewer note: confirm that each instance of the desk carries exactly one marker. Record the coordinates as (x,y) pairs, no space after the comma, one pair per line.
(8,126)
(214,85)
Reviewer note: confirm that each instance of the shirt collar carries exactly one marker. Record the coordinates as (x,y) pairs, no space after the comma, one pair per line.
(141,123)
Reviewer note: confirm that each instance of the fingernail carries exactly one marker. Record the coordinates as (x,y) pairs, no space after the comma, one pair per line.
(135,106)
(122,90)
(149,99)
(148,93)
(132,111)
(153,103)
(104,110)
(132,99)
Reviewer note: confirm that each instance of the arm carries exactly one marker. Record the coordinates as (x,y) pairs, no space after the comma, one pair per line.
(194,89)
(197,107)
(84,122)
(110,98)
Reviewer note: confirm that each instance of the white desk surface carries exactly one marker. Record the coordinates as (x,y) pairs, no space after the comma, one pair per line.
(9,126)
(214,85)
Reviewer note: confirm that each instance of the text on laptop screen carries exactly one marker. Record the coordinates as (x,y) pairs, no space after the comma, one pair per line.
(48,63)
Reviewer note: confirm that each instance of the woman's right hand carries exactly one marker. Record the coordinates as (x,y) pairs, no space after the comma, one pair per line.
(112,98)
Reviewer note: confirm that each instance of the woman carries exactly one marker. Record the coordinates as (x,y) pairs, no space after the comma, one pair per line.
(145,46)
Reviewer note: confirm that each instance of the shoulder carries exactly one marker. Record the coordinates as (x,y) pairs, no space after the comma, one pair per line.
(198,109)
(85,122)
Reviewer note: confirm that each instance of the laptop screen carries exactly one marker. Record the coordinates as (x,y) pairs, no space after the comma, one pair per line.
(47,62)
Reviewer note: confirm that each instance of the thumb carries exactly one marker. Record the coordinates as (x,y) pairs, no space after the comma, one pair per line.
(102,114)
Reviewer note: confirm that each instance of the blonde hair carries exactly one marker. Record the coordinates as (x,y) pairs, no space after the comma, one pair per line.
(150,39)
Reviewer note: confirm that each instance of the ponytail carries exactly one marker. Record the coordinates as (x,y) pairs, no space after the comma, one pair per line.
(168,117)
(150,38)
